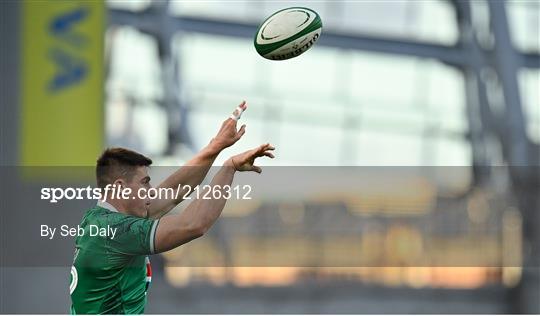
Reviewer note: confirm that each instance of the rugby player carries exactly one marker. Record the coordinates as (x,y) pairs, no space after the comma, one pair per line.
(111,275)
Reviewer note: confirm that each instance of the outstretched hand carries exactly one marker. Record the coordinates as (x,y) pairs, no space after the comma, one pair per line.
(228,134)
(245,161)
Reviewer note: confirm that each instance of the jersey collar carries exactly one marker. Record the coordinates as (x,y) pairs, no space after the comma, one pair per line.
(106,205)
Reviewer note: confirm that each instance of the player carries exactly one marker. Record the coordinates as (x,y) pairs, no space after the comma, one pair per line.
(111,275)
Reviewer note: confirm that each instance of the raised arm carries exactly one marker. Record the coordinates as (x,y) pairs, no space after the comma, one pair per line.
(196,169)
(200,215)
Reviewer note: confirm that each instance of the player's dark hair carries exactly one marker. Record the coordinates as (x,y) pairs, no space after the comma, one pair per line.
(117,163)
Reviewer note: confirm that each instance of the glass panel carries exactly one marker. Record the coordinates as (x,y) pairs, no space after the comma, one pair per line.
(234,10)
(359,105)
(133,116)
(529,80)
(130,5)
(203,66)
(432,21)
(128,47)
(524,20)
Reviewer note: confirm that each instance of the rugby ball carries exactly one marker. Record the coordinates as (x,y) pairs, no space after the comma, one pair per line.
(288,33)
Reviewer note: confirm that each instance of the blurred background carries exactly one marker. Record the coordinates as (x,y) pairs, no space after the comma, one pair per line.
(447,89)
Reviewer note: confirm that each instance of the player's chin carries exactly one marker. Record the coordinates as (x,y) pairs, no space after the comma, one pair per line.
(141,211)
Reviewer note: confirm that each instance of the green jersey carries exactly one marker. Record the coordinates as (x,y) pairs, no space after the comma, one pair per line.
(111,271)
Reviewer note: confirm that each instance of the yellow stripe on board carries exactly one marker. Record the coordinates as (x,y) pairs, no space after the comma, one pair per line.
(62,83)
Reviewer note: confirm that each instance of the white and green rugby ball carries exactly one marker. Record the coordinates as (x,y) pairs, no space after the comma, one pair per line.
(288,33)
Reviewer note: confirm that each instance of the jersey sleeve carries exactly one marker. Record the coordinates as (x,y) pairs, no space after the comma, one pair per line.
(134,235)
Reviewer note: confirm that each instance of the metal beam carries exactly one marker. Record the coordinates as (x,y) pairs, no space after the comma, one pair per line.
(452,55)
(480,118)
(529,60)
(518,148)
(506,64)
(447,54)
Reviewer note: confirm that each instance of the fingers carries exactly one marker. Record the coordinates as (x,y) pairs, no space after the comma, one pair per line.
(243,105)
(237,113)
(264,150)
(241,131)
(265,147)
(256,169)
(245,161)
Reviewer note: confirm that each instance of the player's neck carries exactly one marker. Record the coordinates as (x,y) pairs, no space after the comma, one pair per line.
(114,205)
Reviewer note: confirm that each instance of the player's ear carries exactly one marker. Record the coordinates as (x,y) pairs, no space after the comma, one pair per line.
(119,183)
